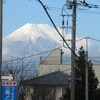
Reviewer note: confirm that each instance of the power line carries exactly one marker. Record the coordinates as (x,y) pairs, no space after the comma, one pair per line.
(94,39)
(88,12)
(94,60)
(88,38)
(54,8)
(31,55)
(56,28)
(80,10)
(85,4)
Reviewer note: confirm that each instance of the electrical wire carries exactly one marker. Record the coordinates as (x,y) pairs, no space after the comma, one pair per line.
(88,38)
(85,4)
(54,8)
(31,55)
(88,12)
(94,60)
(56,28)
(94,39)
(80,9)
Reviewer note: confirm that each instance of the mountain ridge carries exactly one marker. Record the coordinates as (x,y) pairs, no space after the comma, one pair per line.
(30,39)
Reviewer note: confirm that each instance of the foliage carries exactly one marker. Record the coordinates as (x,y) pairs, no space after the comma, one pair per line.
(42,93)
(80,71)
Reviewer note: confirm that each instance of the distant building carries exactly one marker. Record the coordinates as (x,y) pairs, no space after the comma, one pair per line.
(52,63)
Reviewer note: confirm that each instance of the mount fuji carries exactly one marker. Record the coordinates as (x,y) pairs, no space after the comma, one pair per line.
(30,39)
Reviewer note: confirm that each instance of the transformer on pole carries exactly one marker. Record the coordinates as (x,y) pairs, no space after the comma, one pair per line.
(71,5)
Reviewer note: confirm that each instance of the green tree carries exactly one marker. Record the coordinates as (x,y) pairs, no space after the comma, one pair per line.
(80,78)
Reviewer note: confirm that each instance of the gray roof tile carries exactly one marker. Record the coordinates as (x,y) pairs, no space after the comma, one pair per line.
(55,78)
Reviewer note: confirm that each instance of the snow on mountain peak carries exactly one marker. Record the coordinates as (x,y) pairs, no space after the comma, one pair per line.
(29,39)
(33,31)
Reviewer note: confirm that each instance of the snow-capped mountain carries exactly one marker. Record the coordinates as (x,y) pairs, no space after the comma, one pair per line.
(30,39)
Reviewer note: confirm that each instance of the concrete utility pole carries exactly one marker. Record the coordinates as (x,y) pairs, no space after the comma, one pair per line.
(71,4)
(0,45)
(73,48)
(86,77)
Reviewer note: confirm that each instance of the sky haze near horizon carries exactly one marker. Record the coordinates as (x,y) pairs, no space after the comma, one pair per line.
(17,13)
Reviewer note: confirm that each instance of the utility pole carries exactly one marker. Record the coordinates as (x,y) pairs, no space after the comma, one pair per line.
(73,41)
(86,76)
(0,45)
(71,5)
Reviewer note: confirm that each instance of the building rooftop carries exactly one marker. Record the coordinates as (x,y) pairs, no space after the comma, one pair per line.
(57,78)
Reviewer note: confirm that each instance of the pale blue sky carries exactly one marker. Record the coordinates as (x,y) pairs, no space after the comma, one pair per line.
(16,13)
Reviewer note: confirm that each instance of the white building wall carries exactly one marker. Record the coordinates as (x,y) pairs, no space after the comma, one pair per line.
(54,58)
(45,69)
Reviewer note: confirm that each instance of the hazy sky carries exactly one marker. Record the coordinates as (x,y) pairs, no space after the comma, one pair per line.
(16,13)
